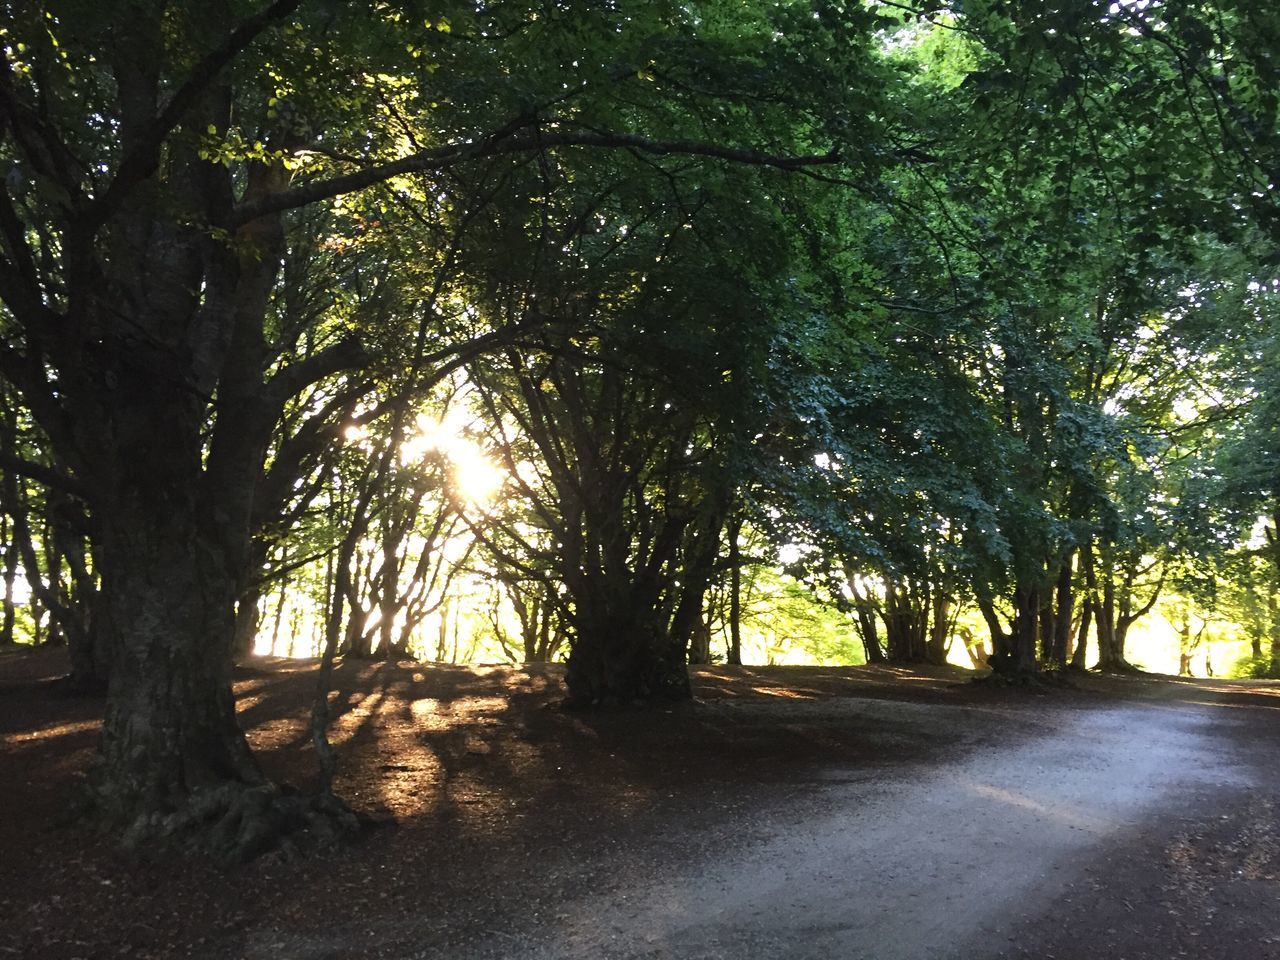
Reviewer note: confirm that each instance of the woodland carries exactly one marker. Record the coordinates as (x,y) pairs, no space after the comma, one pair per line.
(627,335)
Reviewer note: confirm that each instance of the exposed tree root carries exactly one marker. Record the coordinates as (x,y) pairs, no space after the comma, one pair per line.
(1123,668)
(1033,680)
(236,822)
(79,685)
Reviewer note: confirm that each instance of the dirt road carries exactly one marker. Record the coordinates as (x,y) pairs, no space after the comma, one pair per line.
(991,854)
(857,812)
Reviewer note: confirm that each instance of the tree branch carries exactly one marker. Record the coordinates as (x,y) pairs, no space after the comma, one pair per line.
(452,154)
(347,354)
(41,474)
(142,161)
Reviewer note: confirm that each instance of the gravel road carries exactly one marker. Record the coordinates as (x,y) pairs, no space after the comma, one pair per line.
(936,858)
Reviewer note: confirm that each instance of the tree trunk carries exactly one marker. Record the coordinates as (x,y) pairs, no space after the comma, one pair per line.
(1111,633)
(1047,629)
(248,619)
(170,733)
(689,625)
(735,590)
(1026,628)
(1079,656)
(283,587)
(940,625)
(90,648)
(10,577)
(1014,651)
(630,659)
(1064,605)
(1273,610)
(866,616)
(1110,654)
(906,623)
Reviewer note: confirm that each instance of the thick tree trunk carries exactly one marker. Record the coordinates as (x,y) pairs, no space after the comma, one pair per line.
(629,658)
(906,623)
(1026,629)
(1110,652)
(1111,635)
(1046,629)
(623,650)
(170,730)
(91,648)
(871,644)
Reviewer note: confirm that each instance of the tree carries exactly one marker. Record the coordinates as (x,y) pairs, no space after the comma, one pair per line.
(154,155)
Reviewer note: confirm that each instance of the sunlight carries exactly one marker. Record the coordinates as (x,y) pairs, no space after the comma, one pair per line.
(475,477)
(1032,806)
(48,733)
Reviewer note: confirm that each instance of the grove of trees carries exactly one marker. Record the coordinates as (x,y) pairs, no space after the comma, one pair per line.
(583,326)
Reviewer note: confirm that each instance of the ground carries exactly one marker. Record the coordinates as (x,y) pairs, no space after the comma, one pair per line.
(790,812)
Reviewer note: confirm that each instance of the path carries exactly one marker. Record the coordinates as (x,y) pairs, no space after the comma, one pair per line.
(932,860)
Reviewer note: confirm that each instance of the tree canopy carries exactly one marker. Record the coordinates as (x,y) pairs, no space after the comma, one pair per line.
(583,329)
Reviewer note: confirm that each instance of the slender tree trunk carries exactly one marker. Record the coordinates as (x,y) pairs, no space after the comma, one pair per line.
(1273,611)
(689,625)
(700,642)
(442,635)
(1064,604)
(388,601)
(940,625)
(1079,656)
(865,616)
(735,590)
(283,587)
(10,578)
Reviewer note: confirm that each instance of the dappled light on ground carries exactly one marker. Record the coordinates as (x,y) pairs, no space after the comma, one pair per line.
(1000,796)
(48,733)
(483,783)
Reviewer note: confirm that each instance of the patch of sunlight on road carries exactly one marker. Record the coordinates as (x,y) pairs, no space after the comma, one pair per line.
(1023,802)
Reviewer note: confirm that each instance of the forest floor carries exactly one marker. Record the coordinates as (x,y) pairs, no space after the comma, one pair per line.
(789,812)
